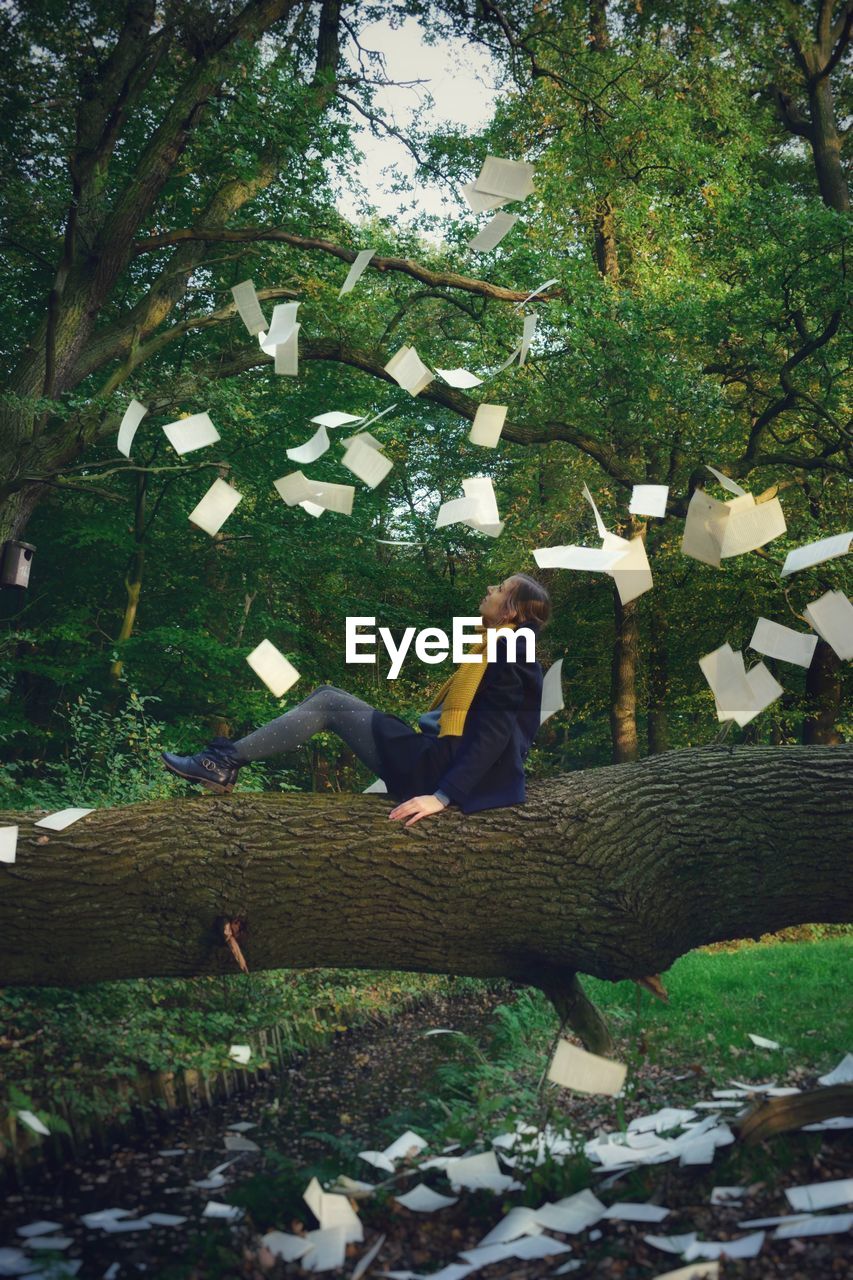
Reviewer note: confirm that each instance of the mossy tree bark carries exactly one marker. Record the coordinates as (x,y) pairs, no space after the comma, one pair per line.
(613,872)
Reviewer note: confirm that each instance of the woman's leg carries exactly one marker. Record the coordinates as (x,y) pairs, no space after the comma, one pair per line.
(326,709)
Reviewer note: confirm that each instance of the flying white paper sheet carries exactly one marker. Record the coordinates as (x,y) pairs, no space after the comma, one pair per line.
(832,618)
(282,328)
(703,528)
(751,525)
(356,271)
(627,1212)
(336,419)
(764,688)
(631,572)
(763,1043)
(409,371)
(62,818)
(133,415)
(479,201)
(527,334)
(731,485)
(816,553)
(512,179)
(8,844)
(603,531)
(296,489)
(459,378)
(535,294)
(552,692)
(724,671)
(287,354)
(574,1068)
(312,449)
(488,424)
(499,225)
(246,300)
(478,509)
(783,643)
(421,1199)
(365,461)
(366,438)
(273,668)
(32,1122)
(590,559)
(826,1224)
(376,788)
(283,1245)
(842,1074)
(215,507)
(187,434)
(240,1053)
(821,1195)
(649,500)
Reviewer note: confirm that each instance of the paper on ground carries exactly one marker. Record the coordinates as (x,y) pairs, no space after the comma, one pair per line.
(422,1199)
(488,424)
(743,1247)
(816,553)
(187,434)
(459,378)
(511,179)
(62,818)
(58,1243)
(240,1053)
(783,643)
(41,1228)
(215,1209)
(215,507)
(649,500)
(520,1221)
(283,1245)
(165,1219)
(590,559)
(407,1144)
(409,371)
(826,1224)
(356,271)
(572,1214)
(332,1210)
(8,844)
(672,1244)
(246,300)
(763,1043)
(727,1195)
(832,618)
(499,225)
(574,1068)
(273,668)
(526,1247)
(312,449)
(552,692)
(366,461)
(693,1271)
(133,415)
(366,1258)
(335,419)
(626,1212)
(328,1249)
(842,1074)
(821,1195)
(475,1172)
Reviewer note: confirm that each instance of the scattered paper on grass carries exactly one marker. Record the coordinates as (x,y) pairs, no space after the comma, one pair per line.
(821,1195)
(283,1245)
(842,1074)
(62,818)
(239,1142)
(246,301)
(574,1068)
(627,1212)
(776,641)
(552,692)
(188,434)
(826,1224)
(478,1172)
(487,425)
(328,1249)
(333,1211)
(407,1144)
(133,415)
(366,1258)
(59,1243)
(8,844)
(649,500)
(763,1043)
(242,1126)
(572,1214)
(215,507)
(520,1221)
(743,1247)
(832,618)
(727,1195)
(490,236)
(273,668)
(227,1212)
(356,271)
(672,1244)
(422,1199)
(816,553)
(694,1271)
(41,1228)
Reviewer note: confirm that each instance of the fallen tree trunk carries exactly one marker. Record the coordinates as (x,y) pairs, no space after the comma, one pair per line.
(613,872)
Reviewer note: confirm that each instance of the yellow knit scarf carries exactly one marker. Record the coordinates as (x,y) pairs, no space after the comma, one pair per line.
(457,693)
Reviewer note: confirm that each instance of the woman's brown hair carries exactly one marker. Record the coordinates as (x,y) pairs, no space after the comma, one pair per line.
(529,601)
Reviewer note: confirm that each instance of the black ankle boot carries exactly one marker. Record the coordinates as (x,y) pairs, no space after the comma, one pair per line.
(215,767)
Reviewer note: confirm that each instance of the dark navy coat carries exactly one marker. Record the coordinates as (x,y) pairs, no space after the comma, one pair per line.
(484,767)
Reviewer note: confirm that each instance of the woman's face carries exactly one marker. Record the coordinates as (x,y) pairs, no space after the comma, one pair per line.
(493,608)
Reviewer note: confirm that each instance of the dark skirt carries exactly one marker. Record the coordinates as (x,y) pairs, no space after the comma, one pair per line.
(412,762)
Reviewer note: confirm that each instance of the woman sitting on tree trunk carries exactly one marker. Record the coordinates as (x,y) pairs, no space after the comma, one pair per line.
(472,742)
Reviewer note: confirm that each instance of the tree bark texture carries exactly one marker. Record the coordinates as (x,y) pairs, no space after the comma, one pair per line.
(623,681)
(613,872)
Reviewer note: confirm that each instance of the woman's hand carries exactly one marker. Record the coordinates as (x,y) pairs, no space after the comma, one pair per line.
(416,808)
